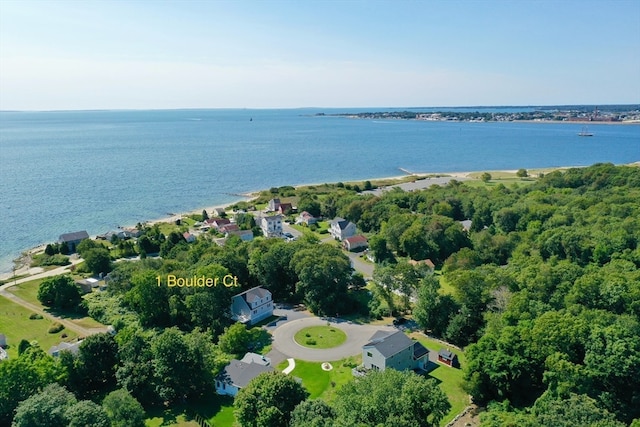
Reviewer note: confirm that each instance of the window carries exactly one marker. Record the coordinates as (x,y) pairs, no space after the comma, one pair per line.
(369,354)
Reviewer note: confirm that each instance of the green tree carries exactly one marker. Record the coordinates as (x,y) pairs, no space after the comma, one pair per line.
(235,339)
(86,414)
(313,413)
(433,310)
(205,215)
(183,365)
(123,409)
(391,398)
(97,260)
(522,173)
(23,376)
(268,400)
(485,177)
(324,276)
(149,300)
(45,409)
(95,365)
(135,371)
(59,292)
(49,250)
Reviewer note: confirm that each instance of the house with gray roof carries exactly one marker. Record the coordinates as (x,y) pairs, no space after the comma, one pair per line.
(252,306)
(72,239)
(340,228)
(73,348)
(238,373)
(393,349)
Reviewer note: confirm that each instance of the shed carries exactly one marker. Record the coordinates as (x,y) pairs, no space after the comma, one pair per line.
(449,358)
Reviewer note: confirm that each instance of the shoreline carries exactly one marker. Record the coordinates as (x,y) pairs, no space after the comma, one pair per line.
(26,254)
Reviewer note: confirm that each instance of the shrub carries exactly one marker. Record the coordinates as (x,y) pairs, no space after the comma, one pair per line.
(311,341)
(35,316)
(55,328)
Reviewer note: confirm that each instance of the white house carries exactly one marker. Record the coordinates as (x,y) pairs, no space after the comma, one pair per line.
(271,225)
(393,349)
(273,205)
(238,373)
(306,218)
(252,306)
(340,228)
(73,348)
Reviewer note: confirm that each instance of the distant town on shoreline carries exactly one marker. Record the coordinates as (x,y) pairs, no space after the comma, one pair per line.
(562,113)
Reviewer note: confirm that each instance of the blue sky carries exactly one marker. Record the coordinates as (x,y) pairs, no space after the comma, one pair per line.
(285,54)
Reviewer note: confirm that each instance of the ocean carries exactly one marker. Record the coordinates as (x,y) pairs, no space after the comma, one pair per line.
(96,170)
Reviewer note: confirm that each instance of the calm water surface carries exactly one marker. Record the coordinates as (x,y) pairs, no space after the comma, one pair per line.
(95,170)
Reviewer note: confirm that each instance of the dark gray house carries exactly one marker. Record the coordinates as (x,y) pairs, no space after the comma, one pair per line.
(393,349)
(238,373)
(72,239)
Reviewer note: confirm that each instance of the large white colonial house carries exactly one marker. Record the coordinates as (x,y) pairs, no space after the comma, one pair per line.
(393,349)
(252,306)
(340,228)
(238,373)
(271,225)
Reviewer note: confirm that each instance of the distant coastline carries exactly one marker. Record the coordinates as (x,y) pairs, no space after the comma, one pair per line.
(571,114)
(423,180)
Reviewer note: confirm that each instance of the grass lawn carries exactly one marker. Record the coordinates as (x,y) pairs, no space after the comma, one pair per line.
(450,379)
(16,325)
(320,337)
(320,383)
(218,410)
(28,291)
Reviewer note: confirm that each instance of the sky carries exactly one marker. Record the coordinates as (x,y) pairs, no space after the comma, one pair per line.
(123,54)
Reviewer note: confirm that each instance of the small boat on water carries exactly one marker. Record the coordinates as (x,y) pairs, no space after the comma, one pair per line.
(585,132)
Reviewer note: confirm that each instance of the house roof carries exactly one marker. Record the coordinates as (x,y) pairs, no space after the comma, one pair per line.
(256,358)
(427,262)
(446,354)
(76,235)
(254,294)
(285,206)
(239,373)
(389,343)
(227,228)
(272,217)
(275,200)
(306,215)
(340,222)
(74,348)
(356,239)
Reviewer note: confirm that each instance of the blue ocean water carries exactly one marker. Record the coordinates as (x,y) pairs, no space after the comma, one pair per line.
(95,170)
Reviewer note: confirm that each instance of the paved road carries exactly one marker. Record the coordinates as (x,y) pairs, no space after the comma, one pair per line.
(357,336)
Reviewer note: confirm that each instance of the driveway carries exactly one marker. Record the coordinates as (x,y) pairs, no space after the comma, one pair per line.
(357,336)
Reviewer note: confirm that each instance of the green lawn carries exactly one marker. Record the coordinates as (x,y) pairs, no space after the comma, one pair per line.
(450,379)
(323,384)
(320,337)
(28,291)
(16,325)
(217,410)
